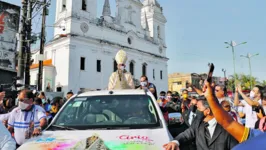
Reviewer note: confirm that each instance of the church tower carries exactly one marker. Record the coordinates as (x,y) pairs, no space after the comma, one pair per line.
(128,14)
(69,10)
(152,13)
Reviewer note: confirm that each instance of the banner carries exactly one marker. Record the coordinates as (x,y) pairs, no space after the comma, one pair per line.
(9,25)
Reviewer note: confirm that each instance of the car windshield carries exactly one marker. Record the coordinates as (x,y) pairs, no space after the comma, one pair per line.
(112,111)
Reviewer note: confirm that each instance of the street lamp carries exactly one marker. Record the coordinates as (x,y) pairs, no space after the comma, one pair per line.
(233,44)
(248,56)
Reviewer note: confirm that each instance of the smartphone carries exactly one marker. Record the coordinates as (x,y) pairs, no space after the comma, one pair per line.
(210,73)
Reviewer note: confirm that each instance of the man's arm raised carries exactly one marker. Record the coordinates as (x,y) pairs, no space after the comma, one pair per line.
(238,131)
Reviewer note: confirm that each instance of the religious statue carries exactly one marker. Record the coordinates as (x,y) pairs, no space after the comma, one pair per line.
(121,79)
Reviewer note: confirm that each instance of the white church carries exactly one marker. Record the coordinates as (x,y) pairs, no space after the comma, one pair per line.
(81,55)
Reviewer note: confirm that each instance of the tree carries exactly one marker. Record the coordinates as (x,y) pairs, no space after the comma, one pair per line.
(263,83)
(242,79)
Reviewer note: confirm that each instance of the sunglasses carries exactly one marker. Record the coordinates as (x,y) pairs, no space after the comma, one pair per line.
(227,106)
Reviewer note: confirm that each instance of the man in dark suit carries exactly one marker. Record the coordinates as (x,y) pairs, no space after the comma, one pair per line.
(207,133)
(190,114)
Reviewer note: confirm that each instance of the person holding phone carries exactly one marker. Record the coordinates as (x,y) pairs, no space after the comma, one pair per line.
(238,131)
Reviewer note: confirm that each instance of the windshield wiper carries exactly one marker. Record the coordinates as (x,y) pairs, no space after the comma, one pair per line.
(63,127)
(109,128)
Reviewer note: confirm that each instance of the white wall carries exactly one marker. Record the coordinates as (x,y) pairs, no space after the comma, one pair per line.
(91,79)
(66,52)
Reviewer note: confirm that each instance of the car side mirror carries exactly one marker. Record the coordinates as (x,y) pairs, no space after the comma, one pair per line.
(174,118)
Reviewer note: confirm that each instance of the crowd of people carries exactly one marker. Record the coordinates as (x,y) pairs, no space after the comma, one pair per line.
(214,121)
(210,121)
(26,116)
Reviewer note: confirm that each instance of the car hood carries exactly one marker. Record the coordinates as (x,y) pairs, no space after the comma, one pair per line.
(143,139)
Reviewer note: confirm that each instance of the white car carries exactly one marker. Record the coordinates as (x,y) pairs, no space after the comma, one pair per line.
(106,120)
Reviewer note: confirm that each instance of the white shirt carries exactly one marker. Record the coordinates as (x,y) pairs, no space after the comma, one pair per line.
(211,128)
(251,116)
(6,140)
(20,121)
(4,116)
(190,118)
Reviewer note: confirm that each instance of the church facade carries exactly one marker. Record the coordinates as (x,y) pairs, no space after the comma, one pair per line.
(81,56)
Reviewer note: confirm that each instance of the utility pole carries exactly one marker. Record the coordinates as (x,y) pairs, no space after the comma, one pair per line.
(40,74)
(28,51)
(249,56)
(225,82)
(233,44)
(22,46)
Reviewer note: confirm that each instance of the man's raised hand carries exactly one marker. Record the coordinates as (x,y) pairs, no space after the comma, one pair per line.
(208,89)
(171,146)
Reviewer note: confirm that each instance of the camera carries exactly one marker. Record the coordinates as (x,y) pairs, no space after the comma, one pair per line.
(256,108)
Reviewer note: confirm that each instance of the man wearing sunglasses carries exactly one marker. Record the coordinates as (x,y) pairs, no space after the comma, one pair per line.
(226,106)
(27,119)
(219,93)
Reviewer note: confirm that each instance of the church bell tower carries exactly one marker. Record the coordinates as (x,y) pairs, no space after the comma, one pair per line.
(69,10)
(152,13)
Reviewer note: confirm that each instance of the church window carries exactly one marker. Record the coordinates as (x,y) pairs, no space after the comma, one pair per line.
(159,31)
(63,5)
(84,5)
(153,74)
(161,74)
(82,63)
(129,40)
(99,67)
(131,68)
(115,65)
(144,69)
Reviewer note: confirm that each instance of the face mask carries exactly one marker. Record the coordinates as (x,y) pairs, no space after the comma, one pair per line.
(252,94)
(143,84)
(193,108)
(162,97)
(200,115)
(122,67)
(54,109)
(43,101)
(23,105)
(185,96)
(169,97)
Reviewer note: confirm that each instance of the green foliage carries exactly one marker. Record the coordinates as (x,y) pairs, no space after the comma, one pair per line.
(242,79)
(263,83)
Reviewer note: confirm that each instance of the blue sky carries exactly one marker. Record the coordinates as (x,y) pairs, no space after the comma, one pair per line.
(196,32)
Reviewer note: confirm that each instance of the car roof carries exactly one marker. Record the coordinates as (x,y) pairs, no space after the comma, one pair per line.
(114,92)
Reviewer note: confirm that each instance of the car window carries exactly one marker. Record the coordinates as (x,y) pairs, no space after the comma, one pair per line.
(109,111)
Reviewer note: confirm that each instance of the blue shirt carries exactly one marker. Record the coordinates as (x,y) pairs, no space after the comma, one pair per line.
(256,141)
